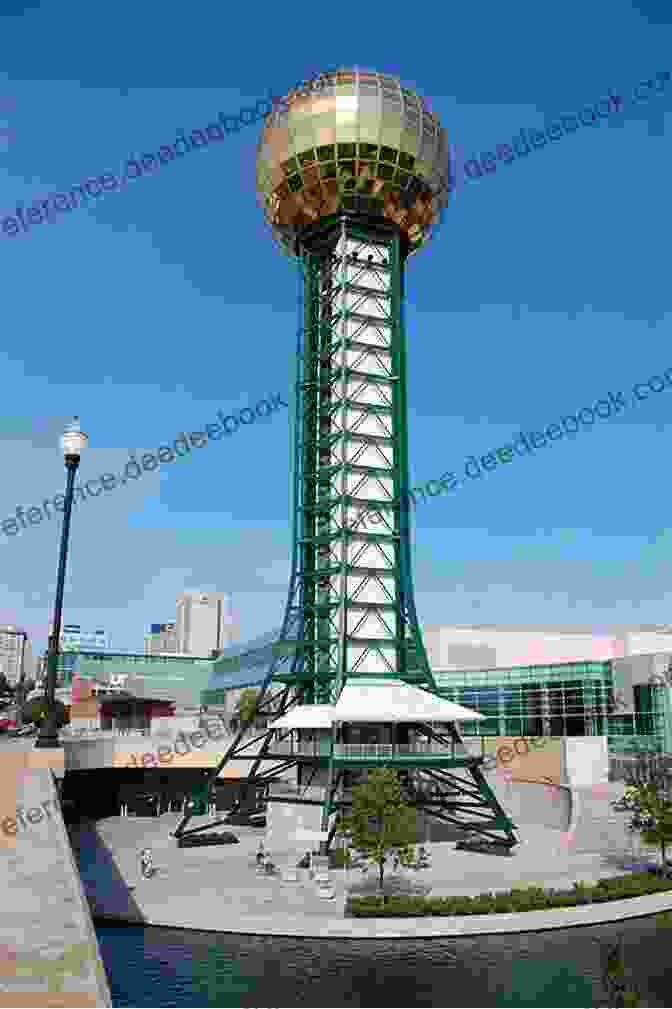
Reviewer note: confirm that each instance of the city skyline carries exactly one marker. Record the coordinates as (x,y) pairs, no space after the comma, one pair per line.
(159,638)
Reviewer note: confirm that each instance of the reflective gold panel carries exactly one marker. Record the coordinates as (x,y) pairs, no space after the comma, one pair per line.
(359,143)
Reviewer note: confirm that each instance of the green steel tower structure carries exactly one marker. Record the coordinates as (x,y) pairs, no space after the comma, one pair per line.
(353,179)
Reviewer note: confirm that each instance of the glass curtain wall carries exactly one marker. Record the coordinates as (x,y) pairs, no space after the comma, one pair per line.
(567,699)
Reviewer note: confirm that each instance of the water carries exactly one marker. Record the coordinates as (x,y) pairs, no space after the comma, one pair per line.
(169,967)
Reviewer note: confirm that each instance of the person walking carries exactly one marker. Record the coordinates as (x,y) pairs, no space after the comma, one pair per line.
(146,864)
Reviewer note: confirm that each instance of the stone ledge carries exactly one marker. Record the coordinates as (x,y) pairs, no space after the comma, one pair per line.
(304,925)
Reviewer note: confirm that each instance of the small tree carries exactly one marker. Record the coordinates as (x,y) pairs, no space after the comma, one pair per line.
(648,799)
(35,711)
(380,822)
(246,707)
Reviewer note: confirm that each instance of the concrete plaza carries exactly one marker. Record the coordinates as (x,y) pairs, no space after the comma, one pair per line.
(217,888)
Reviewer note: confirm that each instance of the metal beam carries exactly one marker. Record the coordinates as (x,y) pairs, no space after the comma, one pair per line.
(350,610)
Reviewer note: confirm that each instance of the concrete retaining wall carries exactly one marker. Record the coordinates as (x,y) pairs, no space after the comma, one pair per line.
(49,951)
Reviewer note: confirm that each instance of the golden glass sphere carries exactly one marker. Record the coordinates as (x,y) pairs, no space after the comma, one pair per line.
(356,143)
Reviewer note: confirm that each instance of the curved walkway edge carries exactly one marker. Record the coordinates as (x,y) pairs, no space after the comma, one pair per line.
(211,919)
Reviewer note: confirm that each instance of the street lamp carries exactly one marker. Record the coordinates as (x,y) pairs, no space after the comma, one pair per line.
(73,442)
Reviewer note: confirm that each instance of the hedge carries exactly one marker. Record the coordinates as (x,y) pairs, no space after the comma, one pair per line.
(533,898)
(340,858)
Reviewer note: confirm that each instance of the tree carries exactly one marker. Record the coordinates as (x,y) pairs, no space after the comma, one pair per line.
(380,822)
(246,707)
(36,710)
(648,799)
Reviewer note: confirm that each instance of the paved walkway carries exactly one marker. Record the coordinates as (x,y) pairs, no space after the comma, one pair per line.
(216,889)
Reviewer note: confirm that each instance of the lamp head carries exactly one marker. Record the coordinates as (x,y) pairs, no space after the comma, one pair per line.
(73,441)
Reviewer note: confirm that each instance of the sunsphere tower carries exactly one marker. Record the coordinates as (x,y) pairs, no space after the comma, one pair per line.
(352,180)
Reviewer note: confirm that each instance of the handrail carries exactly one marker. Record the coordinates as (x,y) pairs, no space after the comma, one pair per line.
(322,747)
(69,732)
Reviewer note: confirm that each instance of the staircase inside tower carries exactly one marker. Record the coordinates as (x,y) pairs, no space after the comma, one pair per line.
(350,622)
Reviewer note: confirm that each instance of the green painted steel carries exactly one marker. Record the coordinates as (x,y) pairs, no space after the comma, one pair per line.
(322,494)
(200,797)
(351,612)
(394,760)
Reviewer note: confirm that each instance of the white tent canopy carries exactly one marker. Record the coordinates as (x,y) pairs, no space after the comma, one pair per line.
(306,716)
(395,701)
(377,701)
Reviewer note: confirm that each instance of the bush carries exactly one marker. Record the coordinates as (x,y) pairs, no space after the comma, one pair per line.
(34,711)
(340,858)
(533,898)
(581,893)
(504,903)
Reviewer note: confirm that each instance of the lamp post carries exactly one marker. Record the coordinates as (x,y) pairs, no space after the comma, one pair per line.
(73,442)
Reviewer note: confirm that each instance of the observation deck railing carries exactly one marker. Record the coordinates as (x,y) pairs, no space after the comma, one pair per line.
(369,751)
(69,733)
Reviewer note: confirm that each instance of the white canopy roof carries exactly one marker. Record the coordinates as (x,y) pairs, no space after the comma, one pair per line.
(377,701)
(395,701)
(306,716)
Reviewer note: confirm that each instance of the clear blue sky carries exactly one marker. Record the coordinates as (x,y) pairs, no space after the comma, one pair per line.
(547,286)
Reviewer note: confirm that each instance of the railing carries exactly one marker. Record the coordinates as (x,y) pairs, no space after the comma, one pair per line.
(359,751)
(85,733)
(390,750)
(305,748)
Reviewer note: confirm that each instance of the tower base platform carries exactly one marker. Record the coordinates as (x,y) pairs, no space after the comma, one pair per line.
(218,890)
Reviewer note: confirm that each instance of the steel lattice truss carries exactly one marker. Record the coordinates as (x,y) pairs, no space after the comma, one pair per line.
(350,612)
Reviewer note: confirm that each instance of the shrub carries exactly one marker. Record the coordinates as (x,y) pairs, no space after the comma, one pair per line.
(460,905)
(503,903)
(340,858)
(560,899)
(404,906)
(528,900)
(582,892)
(531,899)
(34,711)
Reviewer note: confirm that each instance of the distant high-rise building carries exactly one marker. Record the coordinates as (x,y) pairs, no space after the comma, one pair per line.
(161,639)
(204,623)
(74,639)
(11,649)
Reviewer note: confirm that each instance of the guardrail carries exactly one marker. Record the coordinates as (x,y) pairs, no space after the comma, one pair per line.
(104,733)
(384,750)
(358,751)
